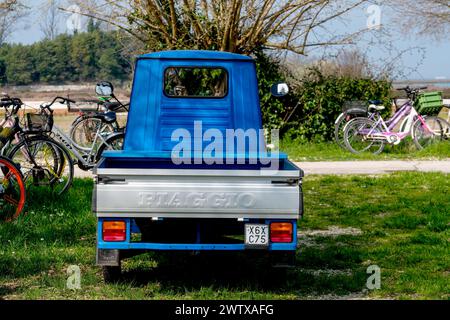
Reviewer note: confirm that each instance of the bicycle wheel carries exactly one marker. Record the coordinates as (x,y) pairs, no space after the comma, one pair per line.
(114,142)
(12,191)
(84,131)
(339,125)
(356,136)
(428,132)
(44,163)
(445,128)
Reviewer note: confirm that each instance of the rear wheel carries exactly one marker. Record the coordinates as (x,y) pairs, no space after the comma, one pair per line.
(12,191)
(112,274)
(114,142)
(44,164)
(339,126)
(359,136)
(427,133)
(84,131)
(445,128)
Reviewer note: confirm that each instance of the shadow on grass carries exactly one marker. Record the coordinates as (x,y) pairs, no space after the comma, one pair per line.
(6,290)
(239,272)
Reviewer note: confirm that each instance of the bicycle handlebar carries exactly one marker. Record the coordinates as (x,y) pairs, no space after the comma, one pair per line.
(6,102)
(62,101)
(409,89)
(16,103)
(412,93)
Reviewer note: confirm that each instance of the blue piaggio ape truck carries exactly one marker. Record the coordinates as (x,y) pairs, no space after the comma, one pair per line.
(195,173)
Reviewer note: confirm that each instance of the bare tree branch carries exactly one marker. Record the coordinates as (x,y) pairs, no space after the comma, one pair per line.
(10,12)
(426,17)
(228,25)
(50,19)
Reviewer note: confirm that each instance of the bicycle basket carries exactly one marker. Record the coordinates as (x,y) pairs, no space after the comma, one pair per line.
(429,103)
(39,122)
(355,107)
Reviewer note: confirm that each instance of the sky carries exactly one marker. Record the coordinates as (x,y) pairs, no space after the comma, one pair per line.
(432,61)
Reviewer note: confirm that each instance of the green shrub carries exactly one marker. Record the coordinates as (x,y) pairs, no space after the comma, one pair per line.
(310,111)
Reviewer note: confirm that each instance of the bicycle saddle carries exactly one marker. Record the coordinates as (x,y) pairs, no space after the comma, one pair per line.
(108,117)
(374,107)
(376,102)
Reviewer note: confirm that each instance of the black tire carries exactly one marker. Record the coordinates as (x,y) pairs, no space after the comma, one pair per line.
(338,130)
(115,142)
(445,128)
(51,172)
(77,131)
(112,274)
(356,142)
(423,137)
(339,127)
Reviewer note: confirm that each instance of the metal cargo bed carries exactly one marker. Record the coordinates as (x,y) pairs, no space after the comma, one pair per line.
(198,193)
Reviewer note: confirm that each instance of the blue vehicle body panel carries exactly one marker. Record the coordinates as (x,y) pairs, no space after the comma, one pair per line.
(163,160)
(154,116)
(132,228)
(196,55)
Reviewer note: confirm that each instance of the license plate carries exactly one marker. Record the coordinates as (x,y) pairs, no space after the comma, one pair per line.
(257,235)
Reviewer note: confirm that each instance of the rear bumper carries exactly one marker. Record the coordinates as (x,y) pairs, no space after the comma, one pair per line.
(128,244)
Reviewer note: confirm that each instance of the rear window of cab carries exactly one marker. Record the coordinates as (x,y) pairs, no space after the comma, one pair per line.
(195,82)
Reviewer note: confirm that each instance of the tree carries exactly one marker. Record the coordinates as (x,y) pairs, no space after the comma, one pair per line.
(51,19)
(19,66)
(93,25)
(427,17)
(110,67)
(227,25)
(10,12)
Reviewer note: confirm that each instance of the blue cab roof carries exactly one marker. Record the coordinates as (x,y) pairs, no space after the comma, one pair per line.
(196,54)
(154,116)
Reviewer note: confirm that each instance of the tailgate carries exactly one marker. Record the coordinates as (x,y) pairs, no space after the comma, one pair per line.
(184,193)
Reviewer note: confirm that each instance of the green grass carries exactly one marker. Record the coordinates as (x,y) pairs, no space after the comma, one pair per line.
(399,222)
(330,151)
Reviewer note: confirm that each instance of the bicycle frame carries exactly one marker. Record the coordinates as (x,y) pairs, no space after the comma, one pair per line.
(409,115)
(81,154)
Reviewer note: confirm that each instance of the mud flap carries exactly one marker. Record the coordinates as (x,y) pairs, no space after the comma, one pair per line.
(108,258)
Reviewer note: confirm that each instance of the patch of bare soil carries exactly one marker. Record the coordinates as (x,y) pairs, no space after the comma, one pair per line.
(48,92)
(352,296)
(332,231)
(306,237)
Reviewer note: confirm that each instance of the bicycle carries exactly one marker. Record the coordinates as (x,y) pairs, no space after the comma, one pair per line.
(85,157)
(42,161)
(85,127)
(445,123)
(364,134)
(350,110)
(12,191)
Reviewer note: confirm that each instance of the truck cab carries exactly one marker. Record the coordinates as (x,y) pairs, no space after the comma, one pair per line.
(195,173)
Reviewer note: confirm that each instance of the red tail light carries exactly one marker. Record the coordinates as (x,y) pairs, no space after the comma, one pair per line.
(114,231)
(281,232)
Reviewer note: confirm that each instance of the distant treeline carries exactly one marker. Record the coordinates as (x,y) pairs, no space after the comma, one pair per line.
(87,56)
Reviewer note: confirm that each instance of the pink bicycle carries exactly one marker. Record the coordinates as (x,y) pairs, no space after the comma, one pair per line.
(372,134)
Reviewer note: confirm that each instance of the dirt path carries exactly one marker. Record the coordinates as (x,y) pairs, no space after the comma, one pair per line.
(373,167)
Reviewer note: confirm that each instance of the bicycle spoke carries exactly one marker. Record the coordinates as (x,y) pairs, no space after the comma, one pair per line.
(47,168)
